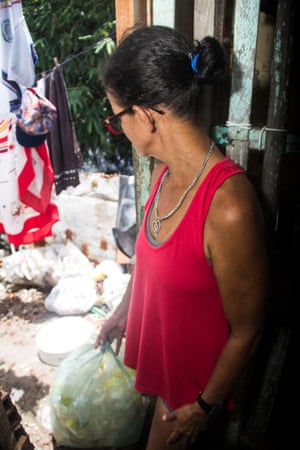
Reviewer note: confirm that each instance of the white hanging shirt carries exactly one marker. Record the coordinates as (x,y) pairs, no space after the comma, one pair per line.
(17,56)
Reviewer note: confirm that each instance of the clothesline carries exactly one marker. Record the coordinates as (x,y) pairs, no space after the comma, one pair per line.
(69,58)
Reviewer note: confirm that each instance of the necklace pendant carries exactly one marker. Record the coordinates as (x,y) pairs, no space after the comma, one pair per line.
(156,224)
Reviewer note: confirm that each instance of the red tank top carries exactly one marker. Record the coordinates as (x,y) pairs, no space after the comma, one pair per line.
(176,325)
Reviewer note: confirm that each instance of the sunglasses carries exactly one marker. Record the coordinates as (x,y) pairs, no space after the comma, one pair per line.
(113,123)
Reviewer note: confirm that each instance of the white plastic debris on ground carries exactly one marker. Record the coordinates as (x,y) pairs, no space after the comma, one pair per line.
(88,214)
(43,267)
(114,283)
(78,294)
(72,295)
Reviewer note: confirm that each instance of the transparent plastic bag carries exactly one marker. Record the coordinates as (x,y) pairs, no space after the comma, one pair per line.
(93,402)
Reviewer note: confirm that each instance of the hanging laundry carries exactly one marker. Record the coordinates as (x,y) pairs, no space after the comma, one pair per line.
(17,56)
(62,141)
(26,178)
(26,175)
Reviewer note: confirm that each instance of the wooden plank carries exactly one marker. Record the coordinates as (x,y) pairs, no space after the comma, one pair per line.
(245,37)
(129,13)
(258,423)
(221,92)
(142,171)
(279,338)
(184,17)
(175,14)
(278,108)
(204,18)
(204,25)
(157,13)
(219,19)
(164,12)
(243,65)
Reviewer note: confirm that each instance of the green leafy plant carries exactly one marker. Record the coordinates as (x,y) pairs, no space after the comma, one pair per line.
(80,36)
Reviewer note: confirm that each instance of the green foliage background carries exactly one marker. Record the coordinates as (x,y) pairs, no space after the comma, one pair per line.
(81,35)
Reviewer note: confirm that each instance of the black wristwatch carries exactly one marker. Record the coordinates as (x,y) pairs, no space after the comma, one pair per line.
(211,410)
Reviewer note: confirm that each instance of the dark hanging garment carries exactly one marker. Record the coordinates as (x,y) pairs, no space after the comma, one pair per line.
(62,142)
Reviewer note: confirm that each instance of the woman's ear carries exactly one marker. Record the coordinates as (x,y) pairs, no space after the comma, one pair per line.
(145,116)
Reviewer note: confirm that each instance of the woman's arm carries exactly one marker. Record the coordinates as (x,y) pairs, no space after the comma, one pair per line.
(235,245)
(114,326)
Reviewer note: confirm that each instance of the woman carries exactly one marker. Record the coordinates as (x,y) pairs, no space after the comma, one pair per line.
(194,308)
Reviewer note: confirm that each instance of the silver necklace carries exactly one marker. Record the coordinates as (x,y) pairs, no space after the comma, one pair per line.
(156,222)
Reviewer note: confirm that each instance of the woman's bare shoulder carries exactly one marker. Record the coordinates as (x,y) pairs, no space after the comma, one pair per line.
(235,219)
(235,200)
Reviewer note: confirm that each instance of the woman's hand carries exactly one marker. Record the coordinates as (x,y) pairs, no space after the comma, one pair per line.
(189,422)
(112,328)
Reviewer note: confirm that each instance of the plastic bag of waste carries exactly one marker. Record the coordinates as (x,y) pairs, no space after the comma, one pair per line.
(45,266)
(72,295)
(93,402)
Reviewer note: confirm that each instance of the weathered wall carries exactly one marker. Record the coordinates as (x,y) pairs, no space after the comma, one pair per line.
(88,214)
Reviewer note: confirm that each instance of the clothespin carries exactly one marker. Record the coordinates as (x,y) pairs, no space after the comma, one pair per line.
(55,60)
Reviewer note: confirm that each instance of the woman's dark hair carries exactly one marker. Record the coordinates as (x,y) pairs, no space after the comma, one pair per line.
(153,66)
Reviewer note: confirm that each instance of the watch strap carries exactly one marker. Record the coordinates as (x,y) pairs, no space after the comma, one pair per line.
(210,409)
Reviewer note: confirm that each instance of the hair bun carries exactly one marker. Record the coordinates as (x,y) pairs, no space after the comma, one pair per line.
(208,60)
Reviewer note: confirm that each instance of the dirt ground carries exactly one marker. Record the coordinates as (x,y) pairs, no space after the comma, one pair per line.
(22,373)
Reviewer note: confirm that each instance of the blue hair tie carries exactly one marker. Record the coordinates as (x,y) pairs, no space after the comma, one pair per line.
(194,62)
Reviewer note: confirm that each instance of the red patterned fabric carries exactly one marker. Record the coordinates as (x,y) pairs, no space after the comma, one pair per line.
(26,179)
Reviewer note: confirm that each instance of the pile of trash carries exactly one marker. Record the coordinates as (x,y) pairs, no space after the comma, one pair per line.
(74,283)
(92,399)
